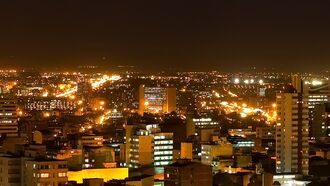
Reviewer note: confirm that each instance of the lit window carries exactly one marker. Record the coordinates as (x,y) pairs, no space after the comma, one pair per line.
(44,175)
(61,174)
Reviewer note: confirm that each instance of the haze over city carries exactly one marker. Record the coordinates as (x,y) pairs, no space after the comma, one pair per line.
(161,35)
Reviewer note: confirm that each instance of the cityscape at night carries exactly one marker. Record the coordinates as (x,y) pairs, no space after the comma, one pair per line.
(164,93)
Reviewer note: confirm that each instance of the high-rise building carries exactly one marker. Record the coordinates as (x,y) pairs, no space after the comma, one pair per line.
(141,149)
(125,151)
(163,149)
(292,131)
(8,117)
(146,145)
(320,125)
(318,94)
(157,99)
(298,83)
(132,133)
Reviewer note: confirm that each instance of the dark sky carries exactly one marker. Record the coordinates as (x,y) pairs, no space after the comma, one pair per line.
(161,34)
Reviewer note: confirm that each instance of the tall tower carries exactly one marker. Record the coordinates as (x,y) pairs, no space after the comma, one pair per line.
(299,84)
(296,82)
(157,99)
(8,117)
(292,131)
(142,101)
(170,99)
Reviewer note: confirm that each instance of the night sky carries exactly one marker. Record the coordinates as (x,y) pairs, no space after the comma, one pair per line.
(164,34)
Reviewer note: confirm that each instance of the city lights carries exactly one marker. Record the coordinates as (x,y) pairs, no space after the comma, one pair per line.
(164,93)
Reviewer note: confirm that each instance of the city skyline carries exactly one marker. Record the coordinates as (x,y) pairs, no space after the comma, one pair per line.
(164,93)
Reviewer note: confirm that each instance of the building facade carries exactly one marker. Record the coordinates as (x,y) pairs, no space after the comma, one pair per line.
(157,99)
(8,117)
(141,149)
(186,173)
(211,151)
(320,125)
(44,172)
(292,132)
(17,171)
(163,149)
